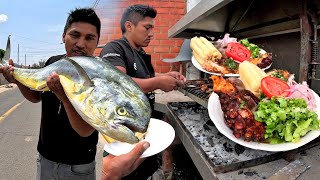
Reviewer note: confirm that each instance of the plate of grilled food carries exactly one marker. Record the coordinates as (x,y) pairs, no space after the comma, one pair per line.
(274,123)
(223,58)
(159,134)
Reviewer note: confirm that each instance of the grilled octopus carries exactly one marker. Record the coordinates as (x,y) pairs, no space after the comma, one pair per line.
(240,118)
(238,105)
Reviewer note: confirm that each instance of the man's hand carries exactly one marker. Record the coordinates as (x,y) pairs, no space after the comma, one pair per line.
(53,82)
(8,72)
(116,167)
(168,83)
(176,75)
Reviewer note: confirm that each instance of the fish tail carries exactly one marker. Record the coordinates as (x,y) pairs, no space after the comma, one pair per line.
(3,63)
(5,60)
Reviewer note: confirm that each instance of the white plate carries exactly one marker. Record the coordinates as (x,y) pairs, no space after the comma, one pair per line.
(198,66)
(216,115)
(159,134)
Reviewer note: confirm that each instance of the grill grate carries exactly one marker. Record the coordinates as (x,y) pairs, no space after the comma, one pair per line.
(223,154)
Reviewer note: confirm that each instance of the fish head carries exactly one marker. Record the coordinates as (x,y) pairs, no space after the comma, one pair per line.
(112,109)
(121,112)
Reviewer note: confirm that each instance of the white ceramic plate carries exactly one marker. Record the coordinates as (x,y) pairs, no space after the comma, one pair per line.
(198,66)
(216,115)
(159,134)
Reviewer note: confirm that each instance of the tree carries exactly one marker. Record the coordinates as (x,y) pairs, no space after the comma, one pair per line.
(38,65)
(2,52)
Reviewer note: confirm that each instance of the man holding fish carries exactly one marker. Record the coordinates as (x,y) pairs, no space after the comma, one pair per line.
(127,54)
(68,135)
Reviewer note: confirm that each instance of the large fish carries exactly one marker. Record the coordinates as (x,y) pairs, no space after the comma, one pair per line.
(107,99)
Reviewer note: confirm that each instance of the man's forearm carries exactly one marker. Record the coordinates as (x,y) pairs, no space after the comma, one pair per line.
(76,121)
(31,95)
(147,85)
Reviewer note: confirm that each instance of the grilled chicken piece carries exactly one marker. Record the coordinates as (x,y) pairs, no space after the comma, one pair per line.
(222,85)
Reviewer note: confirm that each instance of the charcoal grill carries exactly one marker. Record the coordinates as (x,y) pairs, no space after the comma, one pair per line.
(213,152)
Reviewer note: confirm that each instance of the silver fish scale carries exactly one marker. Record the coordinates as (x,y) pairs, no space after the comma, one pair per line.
(111,89)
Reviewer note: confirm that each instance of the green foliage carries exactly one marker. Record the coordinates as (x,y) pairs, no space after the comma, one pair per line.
(38,65)
(2,53)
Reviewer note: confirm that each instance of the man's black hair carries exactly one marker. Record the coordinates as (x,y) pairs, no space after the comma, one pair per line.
(136,13)
(87,15)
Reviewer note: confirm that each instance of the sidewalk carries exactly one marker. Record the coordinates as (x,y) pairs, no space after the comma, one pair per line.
(7,87)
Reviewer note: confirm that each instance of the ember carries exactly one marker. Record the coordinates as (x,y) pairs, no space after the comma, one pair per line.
(223,153)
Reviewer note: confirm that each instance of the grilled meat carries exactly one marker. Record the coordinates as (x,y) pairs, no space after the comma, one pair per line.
(240,118)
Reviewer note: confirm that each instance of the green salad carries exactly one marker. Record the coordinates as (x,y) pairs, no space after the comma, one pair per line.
(254,49)
(286,119)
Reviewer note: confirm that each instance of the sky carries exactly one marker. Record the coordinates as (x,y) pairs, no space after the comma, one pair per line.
(36,26)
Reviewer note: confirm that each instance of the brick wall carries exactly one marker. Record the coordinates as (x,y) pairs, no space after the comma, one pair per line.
(169,12)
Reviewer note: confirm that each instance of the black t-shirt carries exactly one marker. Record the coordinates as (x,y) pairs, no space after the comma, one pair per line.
(58,141)
(137,63)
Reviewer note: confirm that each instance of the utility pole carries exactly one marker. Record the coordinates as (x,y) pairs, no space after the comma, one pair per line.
(25,59)
(18,54)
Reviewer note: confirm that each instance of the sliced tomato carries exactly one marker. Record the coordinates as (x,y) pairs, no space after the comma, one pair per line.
(238,52)
(272,86)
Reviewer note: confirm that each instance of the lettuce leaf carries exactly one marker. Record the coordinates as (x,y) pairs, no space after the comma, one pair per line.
(286,119)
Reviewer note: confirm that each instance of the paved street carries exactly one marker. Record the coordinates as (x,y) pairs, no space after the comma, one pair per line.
(19,130)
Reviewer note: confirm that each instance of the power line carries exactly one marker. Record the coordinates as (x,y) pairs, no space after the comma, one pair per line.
(95,4)
(12,35)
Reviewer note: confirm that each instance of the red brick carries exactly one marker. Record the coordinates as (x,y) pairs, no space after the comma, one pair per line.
(164,49)
(161,63)
(180,5)
(174,49)
(157,68)
(154,42)
(115,36)
(169,5)
(164,29)
(179,42)
(167,56)
(155,56)
(117,30)
(165,69)
(163,11)
(161,36)
(149,49)
(162,23)
(178,11)
(156,29)
(167,42)
(178,17)
(156,5)
(167,17)
(97,51)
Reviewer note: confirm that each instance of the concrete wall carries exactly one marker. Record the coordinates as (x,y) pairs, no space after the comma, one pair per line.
(285,50)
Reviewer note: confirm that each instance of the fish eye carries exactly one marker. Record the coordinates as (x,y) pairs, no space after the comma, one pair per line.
(121,111)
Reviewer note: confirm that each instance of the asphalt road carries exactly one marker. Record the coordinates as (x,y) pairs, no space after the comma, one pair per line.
(19,131)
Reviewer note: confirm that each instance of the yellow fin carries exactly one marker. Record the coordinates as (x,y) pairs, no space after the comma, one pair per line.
(111,140)
(42,86)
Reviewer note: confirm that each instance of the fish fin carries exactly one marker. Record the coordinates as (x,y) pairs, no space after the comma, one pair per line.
(6,57)
(42,87)
(107,138)
(81,71)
